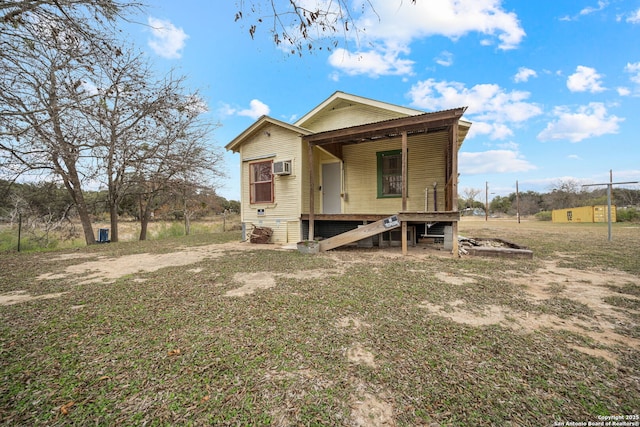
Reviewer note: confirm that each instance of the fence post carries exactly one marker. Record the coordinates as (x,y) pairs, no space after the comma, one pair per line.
(19,229)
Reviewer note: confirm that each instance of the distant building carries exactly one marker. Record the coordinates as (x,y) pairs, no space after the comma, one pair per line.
(584,214)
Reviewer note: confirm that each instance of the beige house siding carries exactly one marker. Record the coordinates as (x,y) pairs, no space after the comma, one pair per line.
(425,166)
(273,143)
(347,116)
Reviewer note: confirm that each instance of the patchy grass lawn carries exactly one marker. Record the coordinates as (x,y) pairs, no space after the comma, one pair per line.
(197,330)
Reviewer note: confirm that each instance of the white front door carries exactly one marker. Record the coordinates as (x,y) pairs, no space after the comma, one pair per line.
(331,185)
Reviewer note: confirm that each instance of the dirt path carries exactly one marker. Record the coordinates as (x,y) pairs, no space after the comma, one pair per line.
(590,288)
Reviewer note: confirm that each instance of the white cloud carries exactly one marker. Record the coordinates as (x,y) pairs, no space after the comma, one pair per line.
(634,70)
(589,10)
(634,17)
(586,11)
(524,74)
(373,63)
(445,59)
(508,146)
(623,91)
(494,130)
(574,157)
(256,110)
(90,87)
(486,102)
(585,79)
(450,18)
(166,39)
(493,161)
(587,122)
(390,28)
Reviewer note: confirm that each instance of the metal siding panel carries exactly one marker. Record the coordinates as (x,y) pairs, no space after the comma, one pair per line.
(583,214)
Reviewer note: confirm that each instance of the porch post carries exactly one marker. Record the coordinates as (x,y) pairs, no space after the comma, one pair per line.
(404,191)
(404,171)
(312,188)
(454,183)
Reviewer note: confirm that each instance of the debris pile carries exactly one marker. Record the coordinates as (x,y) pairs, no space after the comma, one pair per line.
(492,247)
(260,235)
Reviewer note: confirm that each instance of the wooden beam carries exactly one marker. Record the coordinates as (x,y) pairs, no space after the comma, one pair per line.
(404,171)
(404,238)
(430,216)
(441,216)
(360,233)
(386,129)
(333,149)
(346,217)
(454,169)
(312,192)
(454,185)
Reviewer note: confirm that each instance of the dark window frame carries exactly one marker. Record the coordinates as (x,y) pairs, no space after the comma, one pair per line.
(385,178)
(262,184)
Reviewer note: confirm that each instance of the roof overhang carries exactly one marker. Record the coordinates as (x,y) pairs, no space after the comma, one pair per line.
(394,128)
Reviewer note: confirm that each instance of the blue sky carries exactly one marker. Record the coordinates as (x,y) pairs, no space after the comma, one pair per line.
(552,87)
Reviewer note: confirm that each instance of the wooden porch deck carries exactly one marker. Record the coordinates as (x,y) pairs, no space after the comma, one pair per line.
(375,226)
(441,216)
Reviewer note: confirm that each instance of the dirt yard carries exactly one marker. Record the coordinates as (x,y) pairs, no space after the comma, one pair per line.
(586,302)
(588,287)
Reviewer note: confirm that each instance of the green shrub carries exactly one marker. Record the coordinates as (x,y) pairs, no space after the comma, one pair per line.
(174,229)
(543,216)
(28,243)
(627,215)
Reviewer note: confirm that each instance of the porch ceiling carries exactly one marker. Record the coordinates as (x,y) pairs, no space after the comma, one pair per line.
(422,123)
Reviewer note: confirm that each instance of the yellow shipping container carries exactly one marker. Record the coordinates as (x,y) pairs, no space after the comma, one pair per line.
(584,214)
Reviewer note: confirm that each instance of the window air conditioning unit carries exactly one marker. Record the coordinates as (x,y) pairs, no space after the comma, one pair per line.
(282,168)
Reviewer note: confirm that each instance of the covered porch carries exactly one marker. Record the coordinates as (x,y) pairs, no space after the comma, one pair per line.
(334,143)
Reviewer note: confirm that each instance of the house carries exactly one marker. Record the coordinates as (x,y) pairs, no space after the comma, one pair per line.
(355,165)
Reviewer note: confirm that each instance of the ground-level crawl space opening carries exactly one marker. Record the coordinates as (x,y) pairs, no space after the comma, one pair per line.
(439,234)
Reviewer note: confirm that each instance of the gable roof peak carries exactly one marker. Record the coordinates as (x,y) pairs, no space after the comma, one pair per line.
(263,120)
(340,96)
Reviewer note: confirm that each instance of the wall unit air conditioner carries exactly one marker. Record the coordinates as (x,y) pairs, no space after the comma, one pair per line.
(282,168)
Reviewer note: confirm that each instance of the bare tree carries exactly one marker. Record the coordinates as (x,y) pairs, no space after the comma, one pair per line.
(128,118)
(179,156)
(40,91)
(73,15)
(45,57)
(470,195)
(564,194)
(301,25)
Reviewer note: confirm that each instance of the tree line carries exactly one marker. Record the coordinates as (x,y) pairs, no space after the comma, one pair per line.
(562,195)
(47,210)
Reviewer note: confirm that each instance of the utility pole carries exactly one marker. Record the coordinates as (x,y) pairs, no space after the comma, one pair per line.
(610,185)
(486,200)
